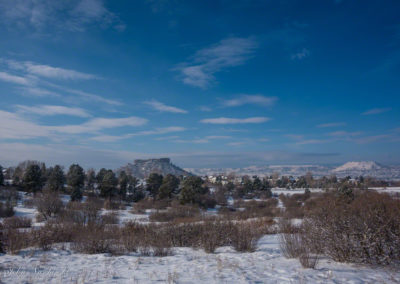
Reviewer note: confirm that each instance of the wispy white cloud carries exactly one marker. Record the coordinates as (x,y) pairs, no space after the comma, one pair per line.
(332,124)
(92,97)
(345,134)
(376,111)
(34,80)
(38,92)
(230,52)
(375,138)
(301,54)
(192,141)
(163,107)
(74,15)
(205,108)
(312,141)
(97,124)
(295,136)
(250,99)
(227,120)
(13,126)
(156,131)
(47,71)
(236,144)
(161,130)
(218,137)
(172,137)
(204,140)
(47,110)
(56,72)
(6,77)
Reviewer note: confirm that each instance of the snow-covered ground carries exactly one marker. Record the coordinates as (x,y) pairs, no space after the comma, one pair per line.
(387,189)
(285,191)
(266,265)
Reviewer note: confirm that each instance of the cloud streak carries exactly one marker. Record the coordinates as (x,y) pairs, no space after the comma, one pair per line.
(332,124)
(250,99)
(156,131)
(97,124)
(376,111)
(56,72)
(163,107)
(227,120)
(74,15)
(9,78)
(48,110)
(229,52)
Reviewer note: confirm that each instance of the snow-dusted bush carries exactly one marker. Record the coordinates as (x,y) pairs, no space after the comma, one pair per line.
(17,222)
(176,212)
(294,244)
(363,228)
(48,204)
(245,237)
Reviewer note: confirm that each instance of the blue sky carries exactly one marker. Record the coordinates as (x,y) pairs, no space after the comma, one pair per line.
(207,83)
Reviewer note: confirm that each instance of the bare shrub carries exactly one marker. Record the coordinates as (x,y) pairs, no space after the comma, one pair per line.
(95,239)
(294,243)
(54,232)
(290,244)
(111,204)
(252,209)
(48,204)
(293,205)
(87,213)
(6,209)
(177,213)
(9,194)
(130,236)
(245,237)
(364,228)
(149,203)
(308,259)
(17,222)
(29,202)
(110,218)
(14,240)
(161,244)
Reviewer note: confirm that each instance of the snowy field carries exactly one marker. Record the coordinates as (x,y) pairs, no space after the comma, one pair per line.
(186,265)
(266,265)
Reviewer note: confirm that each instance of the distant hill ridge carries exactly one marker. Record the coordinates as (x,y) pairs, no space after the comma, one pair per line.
(353,169)
(142,168)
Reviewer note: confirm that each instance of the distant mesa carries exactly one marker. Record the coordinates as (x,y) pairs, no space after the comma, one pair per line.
(143,168)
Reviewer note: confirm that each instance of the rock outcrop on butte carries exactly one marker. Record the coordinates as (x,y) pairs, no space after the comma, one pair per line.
(143,168)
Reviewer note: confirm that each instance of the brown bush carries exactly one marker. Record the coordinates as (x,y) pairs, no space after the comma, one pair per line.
(17,222)
(364,228)
(48,204)
(14,240)
(111,204)
(252,209)
(87,213)
(176,213)
(130,236)
(293,204)
(110,218)
(245,237)
(96,239)
(6,209)
(294,244)
(149,203)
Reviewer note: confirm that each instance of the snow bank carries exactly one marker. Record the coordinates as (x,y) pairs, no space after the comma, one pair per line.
(266,265)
